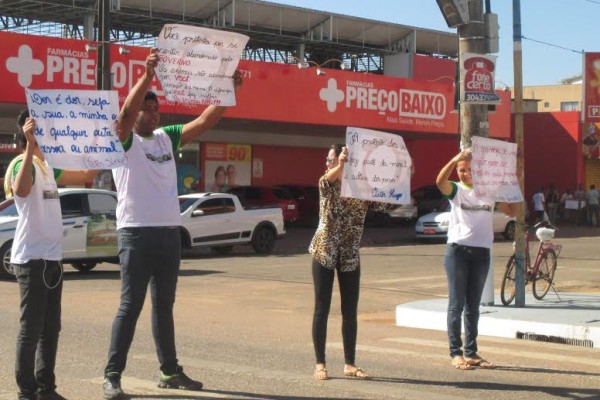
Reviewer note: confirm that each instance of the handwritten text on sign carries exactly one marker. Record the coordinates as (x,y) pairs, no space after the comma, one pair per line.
(494,167)
(378,167)
(75,129)
(196,64)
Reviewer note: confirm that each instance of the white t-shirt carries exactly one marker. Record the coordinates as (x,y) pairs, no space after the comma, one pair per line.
(471,217)
(39,229)
(538,201)
(147,183)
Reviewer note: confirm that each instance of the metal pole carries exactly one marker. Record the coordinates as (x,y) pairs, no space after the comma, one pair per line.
(103,81)
(518,115)
(474,117)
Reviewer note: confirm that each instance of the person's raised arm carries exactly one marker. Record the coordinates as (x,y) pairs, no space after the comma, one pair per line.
(442,180)
(77,177)
(135,99)
(335,173)
(24,179)
(510,209)
(209,117)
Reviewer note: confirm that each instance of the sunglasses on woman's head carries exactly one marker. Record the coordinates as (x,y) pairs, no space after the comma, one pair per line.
(329,159)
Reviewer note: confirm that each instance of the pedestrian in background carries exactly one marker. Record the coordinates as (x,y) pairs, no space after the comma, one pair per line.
(539,204)
(148,229)
(552,201)
(35,259)
(335,249)
(593,206)
(467,258)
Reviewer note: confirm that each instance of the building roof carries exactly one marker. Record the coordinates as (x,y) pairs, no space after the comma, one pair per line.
(268,24)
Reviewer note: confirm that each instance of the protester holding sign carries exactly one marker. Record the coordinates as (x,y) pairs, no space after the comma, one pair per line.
(35,257)
(148,226)
(335,247)
(467,258)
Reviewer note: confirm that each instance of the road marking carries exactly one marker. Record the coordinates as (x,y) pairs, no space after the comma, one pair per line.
(368,387)
(133,387)
(419,278)
(539,355)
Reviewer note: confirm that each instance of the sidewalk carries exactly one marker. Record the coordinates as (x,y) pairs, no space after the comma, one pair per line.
(572,319)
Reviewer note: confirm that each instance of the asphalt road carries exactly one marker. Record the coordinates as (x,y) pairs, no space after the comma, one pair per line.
(243,328)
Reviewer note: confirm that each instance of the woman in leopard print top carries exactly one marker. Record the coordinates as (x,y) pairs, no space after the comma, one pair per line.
(335,247)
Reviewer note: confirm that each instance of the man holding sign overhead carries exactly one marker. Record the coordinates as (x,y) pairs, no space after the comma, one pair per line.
(148,226)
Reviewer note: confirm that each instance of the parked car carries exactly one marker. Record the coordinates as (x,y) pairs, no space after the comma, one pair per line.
(307,197)
(435,224)
(266,196)
(89,222)
(405,213)
(427,198)
(218,221)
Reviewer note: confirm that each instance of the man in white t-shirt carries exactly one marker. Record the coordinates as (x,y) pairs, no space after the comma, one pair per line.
(35,259)
(148,226)
(539,204)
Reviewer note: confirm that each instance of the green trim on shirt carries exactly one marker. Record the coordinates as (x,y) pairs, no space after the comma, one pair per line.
(454,190)
(57,172)
(127,143)
(175,132)
(16,169)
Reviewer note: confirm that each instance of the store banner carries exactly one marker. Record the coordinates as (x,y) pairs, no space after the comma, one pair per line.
(477,79)
(75,129)
(591,108)
(226,165)
(271,92)
(196,65)
(378,167)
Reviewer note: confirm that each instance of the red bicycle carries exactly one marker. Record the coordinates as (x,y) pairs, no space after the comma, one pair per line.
(541,272)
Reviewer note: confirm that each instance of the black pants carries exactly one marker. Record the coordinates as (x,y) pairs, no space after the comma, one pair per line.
(349,283)
(149,256)
(40,284)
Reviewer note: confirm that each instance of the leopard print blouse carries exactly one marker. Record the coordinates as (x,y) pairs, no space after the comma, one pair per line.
(341,224)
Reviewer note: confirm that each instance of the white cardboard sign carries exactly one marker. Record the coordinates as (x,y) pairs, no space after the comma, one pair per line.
(378,167)
(75,129)
(494,168)
(196,64)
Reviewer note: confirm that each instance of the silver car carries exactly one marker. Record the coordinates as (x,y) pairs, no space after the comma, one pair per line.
(435,224)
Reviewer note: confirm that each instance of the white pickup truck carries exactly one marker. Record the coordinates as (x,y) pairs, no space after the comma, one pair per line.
(218,221)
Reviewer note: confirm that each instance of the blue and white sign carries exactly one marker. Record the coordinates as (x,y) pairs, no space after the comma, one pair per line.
(75,129)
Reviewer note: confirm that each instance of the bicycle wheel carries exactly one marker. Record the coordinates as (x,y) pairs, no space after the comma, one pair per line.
(543,280)
(508,290)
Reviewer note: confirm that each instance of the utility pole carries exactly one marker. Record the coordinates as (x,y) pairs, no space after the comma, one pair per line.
(103,78)
(474,117)
(518,115)
(471,37)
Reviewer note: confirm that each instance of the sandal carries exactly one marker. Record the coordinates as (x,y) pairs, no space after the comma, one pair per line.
(459,362)
(357,373)
(320,374)
(477,361)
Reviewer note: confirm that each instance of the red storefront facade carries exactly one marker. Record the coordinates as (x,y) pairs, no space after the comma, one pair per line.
(277,100)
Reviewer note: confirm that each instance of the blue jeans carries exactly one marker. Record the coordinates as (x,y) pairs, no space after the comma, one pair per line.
(40,284)
(148,255)
(466,268)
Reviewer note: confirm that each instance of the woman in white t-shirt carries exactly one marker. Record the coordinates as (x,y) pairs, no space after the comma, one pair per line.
(467,258)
